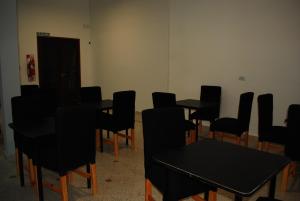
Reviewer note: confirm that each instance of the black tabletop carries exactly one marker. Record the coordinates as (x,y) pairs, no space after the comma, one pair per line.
(194,104)
(234,168)
(106,104)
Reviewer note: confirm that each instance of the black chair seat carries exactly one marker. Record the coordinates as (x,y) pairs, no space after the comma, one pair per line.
(228,125)
(236,126)
(276,135)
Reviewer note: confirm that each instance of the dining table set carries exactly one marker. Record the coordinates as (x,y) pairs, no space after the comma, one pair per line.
(218,164)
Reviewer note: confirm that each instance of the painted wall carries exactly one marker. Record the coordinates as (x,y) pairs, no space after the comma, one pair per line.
(131,44)
(178,45)
(67,18)
(216,42)
(9,68)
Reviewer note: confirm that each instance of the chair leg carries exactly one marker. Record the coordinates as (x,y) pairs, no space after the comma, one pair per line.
(260,146)
(192,136)
(97,138)
(17,161)
(116,146)
(31,172)
(246,139)
(64,188)
(93,178)
(200,127)
(212,196)
(285,177)
(148,190)
(132,135)
(211,134)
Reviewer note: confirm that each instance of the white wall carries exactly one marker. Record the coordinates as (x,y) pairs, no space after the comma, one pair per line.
(67,18)
(131,42)
(9,68)
(178,45)
(215,42)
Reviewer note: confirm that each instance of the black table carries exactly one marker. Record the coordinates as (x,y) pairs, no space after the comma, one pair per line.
(106,104)
(193,104)
(231,167)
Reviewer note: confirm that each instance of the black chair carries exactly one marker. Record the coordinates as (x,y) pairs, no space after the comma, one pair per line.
(292,143)
(91,94)
(159,126)
(210,94)
(121,119)
(30,90)
(164,100)
(72,147)
(236,127)
(26,113)
(268,134)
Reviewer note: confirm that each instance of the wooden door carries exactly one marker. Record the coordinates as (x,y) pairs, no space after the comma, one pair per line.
(59,68)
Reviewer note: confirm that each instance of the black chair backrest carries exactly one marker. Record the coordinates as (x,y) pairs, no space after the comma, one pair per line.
(265,112)
(75,133)
(245,107)
(91,94)
(124,109)
(26,111)
(212,94)
(163,99)
(29,90)
(293,125)
(163,129)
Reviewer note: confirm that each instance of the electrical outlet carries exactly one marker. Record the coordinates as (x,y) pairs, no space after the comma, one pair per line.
(242,78)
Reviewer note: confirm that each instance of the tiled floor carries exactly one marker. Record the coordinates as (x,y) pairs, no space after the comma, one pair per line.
(117,181)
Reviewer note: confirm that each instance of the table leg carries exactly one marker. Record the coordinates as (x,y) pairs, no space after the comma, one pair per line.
(126,136)
(21,169)
(272,187)
(40,183)
(88,170)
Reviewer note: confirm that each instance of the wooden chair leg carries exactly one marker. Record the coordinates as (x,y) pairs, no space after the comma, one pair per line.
(148,190)
(31,172)
(132,135)
(64,188)
(116,146)
(212,196)
(93,178)
(211,135)
(197,198)
(285,177)
(260,146)
(192,136)
(97,139)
